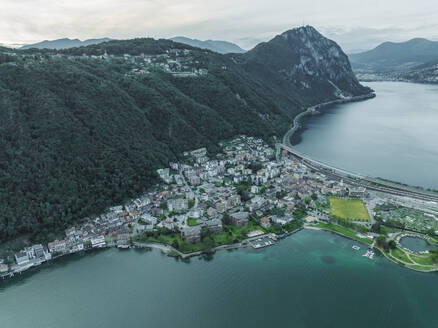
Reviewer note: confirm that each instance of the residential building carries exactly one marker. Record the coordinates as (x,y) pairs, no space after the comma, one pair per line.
(38,251)
(191,234)
(4,268)
(21,258)
(240,219)
(98,242)
(194,180)
(177,205)
(215,225)
(359,192)
(281,220)
(265,222)
(57,246)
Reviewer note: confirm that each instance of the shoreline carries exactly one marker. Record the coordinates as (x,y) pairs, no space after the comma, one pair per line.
(170,251)
(412,191)
(167,249)
(373,246)
(313,110)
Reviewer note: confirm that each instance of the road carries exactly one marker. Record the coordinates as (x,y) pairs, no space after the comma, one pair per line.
(336,173)
(296,123)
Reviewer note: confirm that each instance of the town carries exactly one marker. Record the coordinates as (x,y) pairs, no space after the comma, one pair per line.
(176,62)
(241,197)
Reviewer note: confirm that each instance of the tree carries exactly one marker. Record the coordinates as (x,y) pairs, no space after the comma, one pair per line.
(392,244)
(376,227)
(381,242)
(175,244)
(205,232)
(226,220)
(208,243)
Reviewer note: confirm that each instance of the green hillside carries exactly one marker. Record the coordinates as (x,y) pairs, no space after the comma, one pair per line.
(80,133)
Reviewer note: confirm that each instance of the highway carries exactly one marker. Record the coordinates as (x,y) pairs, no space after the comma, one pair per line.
(352,178)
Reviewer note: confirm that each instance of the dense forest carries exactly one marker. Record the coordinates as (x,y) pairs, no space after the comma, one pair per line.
(78,135)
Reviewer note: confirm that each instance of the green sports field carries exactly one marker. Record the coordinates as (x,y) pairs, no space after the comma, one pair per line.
(349,209)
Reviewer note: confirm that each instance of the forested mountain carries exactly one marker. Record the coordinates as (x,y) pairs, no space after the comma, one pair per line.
(222,47)
(392,57)
(64,43)
(85,128)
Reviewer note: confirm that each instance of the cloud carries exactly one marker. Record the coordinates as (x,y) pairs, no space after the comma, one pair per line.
(355,24)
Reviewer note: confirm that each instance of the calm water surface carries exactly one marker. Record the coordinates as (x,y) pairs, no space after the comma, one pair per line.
(394,135)
(416,244)
(311,279)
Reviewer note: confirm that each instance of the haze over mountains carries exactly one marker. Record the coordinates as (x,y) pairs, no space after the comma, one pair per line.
(85,128)
(64,43)
(391,56)
(222,47)
(414,60)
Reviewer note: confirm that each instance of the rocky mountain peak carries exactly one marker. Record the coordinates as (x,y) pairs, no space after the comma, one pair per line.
(309,61)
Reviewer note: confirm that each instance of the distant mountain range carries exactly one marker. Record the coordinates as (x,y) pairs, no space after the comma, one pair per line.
(414,60)
(222,47)
(85,128)
(64,43)
(395,57)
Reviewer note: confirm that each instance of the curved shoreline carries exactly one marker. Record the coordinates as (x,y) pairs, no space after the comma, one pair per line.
(381,251)
(312,110)
(167,249)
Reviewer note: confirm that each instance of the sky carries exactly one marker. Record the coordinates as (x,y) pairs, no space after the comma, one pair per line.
(355,25)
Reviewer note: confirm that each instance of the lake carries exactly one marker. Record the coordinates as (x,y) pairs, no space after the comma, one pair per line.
(394,135)
(311,279)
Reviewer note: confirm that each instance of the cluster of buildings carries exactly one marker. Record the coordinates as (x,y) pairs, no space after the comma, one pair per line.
(243,182)
(177,62)
(113,228)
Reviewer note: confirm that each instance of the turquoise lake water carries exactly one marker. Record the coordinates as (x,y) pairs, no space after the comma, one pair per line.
(311,279)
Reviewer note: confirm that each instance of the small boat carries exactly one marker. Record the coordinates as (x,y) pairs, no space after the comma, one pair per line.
(369,254)
(355,247)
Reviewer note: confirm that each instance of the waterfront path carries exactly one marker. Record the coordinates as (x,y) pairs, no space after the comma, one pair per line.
(336,173)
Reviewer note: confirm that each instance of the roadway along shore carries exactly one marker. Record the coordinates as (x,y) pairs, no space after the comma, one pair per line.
(245,243)
(311,110)
(371,183)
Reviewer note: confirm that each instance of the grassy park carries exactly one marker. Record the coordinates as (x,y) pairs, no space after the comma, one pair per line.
(192,222)
(341,230)
(349,209)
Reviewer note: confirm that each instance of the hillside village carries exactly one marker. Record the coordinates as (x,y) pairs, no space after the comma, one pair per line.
(177,62)
(205,202)
(243,187)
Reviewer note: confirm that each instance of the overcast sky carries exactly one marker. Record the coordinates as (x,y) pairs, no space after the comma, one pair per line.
(355,25)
